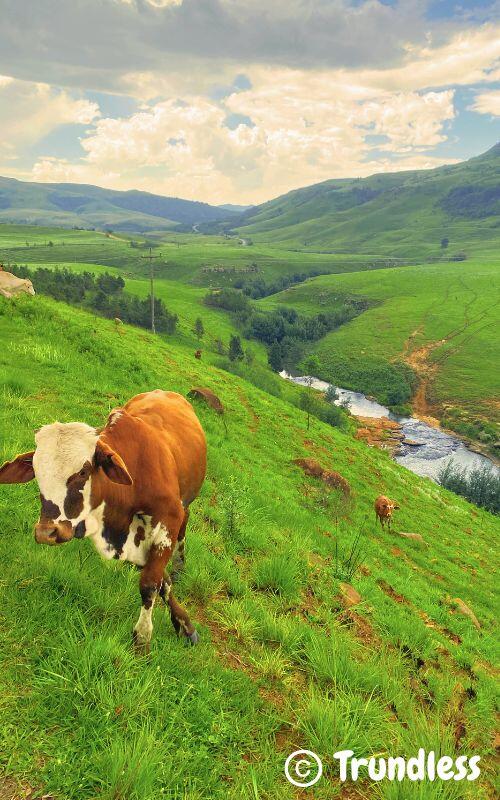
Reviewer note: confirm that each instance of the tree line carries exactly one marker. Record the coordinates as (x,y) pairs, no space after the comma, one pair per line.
(284,331)
(257,287)
(104,294)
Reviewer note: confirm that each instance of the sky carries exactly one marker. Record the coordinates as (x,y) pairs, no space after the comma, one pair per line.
(239,101)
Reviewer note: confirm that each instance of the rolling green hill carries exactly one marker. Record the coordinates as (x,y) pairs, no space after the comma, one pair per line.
(69,204)
(184,257)
(441,320)
(284,661)
(405,214)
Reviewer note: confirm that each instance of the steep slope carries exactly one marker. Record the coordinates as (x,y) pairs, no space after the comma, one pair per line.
(402,213)
(284,661)
(91,206)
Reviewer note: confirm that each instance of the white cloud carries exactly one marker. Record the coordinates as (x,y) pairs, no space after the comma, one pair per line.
(487,103)
(410,121)
(307,125)
(299,136)
(29,111)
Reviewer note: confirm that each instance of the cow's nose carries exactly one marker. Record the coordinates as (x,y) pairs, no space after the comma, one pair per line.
(45,533)
(53,532)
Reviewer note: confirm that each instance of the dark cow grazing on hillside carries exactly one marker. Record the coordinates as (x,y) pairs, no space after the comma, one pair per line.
(127,486)
(197,354)
(383,510)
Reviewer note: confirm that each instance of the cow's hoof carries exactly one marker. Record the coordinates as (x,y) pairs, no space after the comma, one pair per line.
(141,647)
(193,638)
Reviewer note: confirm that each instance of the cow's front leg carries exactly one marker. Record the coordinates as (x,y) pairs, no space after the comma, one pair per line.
(143,630)
(167,526)
(165,532)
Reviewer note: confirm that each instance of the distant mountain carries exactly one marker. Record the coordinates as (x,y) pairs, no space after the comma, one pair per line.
(402,213)
(70,204)
(235,208)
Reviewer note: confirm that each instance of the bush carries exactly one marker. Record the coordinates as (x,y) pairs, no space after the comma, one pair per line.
(480,486)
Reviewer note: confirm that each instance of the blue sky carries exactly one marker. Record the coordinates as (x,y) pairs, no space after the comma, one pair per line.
(242,100)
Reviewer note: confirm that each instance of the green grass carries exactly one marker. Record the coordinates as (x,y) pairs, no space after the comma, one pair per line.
(184,257)
(281,665)
(405,214)
(453,307)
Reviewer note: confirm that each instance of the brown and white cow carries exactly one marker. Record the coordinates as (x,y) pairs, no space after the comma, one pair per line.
(383,510)
(127,486)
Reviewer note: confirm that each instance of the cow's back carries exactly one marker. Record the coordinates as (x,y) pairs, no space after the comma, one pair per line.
(174,427)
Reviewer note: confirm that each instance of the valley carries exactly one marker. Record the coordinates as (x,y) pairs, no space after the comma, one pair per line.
(274,553)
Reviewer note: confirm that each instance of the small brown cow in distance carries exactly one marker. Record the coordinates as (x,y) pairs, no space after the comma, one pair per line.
(383,510)
(127,486)
(197,354)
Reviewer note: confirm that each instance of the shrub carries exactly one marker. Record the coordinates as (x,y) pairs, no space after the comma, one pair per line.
(480,486)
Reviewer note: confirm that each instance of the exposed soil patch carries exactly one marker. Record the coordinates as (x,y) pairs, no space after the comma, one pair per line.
(454,716)
(12,790)
(390,592)
(360,627)
(255,421)
(429,623)
(354,793)
(314,469)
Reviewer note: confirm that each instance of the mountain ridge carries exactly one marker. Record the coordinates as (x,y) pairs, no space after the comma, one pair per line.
(404,213)
(89,206)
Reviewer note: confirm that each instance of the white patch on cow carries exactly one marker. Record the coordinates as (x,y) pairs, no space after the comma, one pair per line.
(161,539)
(61,450)
(94,526)
(138,553)
(144,625)
(134,551)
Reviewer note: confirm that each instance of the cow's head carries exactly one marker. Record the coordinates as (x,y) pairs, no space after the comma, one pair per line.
(66,459)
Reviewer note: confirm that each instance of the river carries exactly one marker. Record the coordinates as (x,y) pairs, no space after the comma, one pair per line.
(430,450)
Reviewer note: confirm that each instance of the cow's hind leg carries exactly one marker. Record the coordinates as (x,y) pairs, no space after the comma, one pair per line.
(179,558)
(179,616)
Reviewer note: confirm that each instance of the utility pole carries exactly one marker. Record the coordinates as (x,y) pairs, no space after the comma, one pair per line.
(152,290)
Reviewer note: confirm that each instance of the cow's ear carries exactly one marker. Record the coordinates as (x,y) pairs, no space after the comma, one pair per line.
(112,464)
(19,470)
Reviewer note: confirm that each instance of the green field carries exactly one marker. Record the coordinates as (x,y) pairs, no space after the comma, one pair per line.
(448,313)
(188,258)
(282,664)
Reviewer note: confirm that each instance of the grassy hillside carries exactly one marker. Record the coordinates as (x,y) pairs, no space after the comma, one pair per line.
(184,300)
(403,214)
(282,663)
(189,258)
(440,320)
(69,204)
